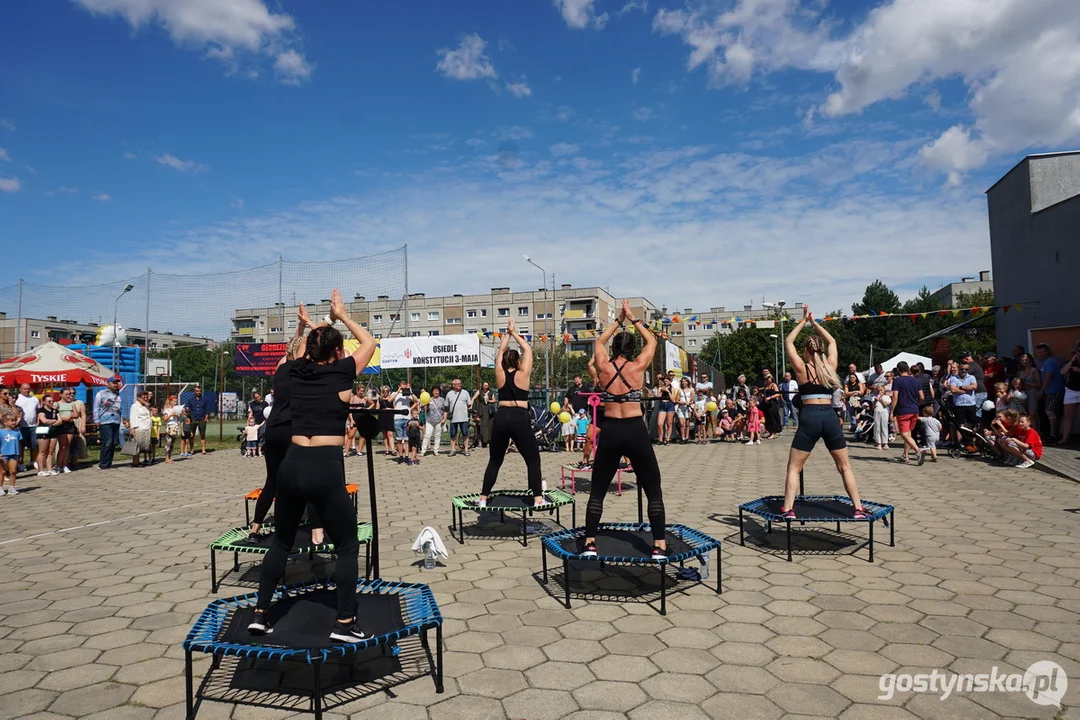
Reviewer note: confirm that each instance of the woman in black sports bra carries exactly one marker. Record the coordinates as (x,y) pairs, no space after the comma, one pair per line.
(513,419)
(625,432)
(815,369)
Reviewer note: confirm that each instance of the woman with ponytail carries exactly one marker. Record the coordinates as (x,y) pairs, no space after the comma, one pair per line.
(815,370)
(621,375)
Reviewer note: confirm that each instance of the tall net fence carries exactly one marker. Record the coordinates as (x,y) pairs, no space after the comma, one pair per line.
(202,306)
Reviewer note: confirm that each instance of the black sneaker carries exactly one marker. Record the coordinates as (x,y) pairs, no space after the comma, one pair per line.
(347,633)
(658,553)
(258,625)
(589,551)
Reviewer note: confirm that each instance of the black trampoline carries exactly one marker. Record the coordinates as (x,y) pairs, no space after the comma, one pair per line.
(299,661)
(630,544)
(509,502)
(240,540)
(819,509)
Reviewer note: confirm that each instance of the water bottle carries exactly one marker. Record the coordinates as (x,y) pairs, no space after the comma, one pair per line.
(429,556)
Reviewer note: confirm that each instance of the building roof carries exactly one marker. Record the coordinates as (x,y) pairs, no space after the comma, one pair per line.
(1024,159)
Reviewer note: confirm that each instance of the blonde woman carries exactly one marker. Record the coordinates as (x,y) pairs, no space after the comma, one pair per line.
(49,421)
(815,370)
(68,428)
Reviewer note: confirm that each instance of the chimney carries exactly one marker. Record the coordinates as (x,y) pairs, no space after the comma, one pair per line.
(566,286)
(387,297)
(500,290)
(984,276)
(690,311)
(748,308)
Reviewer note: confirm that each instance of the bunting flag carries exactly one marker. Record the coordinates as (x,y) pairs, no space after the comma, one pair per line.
(1005,309)
(693,319)
(675,318)
(1019,307)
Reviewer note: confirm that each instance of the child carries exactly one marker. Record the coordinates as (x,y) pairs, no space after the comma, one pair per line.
(753,423)
(155,434)
(931,430)
(10,437)
(701,415)
(569,430)
(1025,446)
(251,438)
(1017,395)
(727,426)
(413,432)
(582,424)
(187,434)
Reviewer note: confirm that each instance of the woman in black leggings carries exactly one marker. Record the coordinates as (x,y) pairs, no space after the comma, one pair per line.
(278,436)
(320,384)
(512,421)
(625,432)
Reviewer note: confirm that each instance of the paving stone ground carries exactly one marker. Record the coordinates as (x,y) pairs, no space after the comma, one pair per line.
(103,573)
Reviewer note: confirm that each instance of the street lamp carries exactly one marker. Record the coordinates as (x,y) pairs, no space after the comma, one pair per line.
(116,334)
(776,354)
(779,307)
(547,348)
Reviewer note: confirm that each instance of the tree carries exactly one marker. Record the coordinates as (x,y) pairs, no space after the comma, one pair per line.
(877,298)
(743,352)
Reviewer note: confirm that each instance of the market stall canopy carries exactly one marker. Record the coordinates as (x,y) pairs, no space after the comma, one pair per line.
(53,365)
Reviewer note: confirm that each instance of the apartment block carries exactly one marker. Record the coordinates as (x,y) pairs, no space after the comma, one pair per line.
(17,335)
(692,336)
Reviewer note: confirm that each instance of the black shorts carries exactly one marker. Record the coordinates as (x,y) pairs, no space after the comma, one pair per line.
(965,415)
(819,422)
(198,427)
(414,442)
(67,428)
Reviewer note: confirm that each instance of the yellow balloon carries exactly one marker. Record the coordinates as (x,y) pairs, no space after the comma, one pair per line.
(556,407)
(425,398)
(564,417)
(710,406)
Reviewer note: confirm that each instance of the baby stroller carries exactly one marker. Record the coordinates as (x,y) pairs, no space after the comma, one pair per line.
(547,428)
(972,442)
(864,425)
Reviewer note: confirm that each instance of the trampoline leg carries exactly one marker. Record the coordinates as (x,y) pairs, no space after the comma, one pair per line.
(543,562)
(502,516)
(558,517)
(573,515)
(524,529)
(439,663)
(789,541)
(453,517)
(719,571)
(247,513)
(640,507)
(837,526)
(871,541)
(742,535)
(367,560)
(892,530)
(566,580)
(213,572)
(618,482)
(189,689)
(316,694)
(236,562)
(461,526)
(663,589)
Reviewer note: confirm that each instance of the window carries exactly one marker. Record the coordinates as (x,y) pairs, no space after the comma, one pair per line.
(692,343)
(394,317)
(433,315)
(35,334)
(432,333)
(523,312)
(453,321)
(471,331)
(377,336)
(414,317)
(414,333)
(275,330)
(483,313)
(710,326)
(377,319)
(470,313)
(504,312)
(539,316)
(523,330)
(693,328)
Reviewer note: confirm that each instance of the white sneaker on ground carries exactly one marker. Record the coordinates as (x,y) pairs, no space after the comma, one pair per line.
(42,473)
(67,469)
(1026,464)
(35,465)
(12,491)
(53,472)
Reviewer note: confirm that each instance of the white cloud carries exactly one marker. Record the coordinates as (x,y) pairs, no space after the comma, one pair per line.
(10,185)
(62,190)
(635,75)
(933,100)
(3,155)
(475,142)
(514,132)
(7,125)
(580,14)
(181,165)
(100,197)
(238,204)
(130,156)
(292,67)
(641,5)
(519,87)
(467,62)
(644,114)
(955,153)
(234,32)
(564,149)
(560,113)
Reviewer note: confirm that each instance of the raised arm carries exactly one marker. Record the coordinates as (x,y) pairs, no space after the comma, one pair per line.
(366,349)
(526,349)
(793,356)
(500,374)
(648,347)
(830,343)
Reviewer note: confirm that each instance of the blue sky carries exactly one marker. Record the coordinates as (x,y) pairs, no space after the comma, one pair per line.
(699,154)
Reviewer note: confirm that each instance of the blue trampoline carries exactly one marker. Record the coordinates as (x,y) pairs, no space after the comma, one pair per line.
(299,660)
(630,544)
(819,509)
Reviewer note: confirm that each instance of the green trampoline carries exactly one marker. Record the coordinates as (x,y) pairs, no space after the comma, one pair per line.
(240,540)
(512,502)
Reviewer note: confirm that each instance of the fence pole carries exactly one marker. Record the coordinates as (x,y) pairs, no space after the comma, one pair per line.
(221,398)
(146,335)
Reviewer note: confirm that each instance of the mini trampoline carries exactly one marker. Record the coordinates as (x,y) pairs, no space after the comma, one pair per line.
(573,472)
(257,493)
(513,502)
(630,544)
(298,660)
(819,509)
(239,540)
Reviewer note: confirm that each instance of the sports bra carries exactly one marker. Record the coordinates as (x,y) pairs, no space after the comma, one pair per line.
(628,396)
(813,388)
(510,392)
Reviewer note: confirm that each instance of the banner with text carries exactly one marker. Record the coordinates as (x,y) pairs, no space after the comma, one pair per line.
(437,351)
(261,359)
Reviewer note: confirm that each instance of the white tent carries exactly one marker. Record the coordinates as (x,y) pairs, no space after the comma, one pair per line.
(909,358)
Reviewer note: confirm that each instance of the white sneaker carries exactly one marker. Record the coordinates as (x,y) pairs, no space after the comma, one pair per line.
(67,469)
(12,491)
(43,473)
(1026,464)
(35,465)
(757,442)
(53,472)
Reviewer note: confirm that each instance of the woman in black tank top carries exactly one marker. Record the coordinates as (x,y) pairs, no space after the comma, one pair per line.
(513,421)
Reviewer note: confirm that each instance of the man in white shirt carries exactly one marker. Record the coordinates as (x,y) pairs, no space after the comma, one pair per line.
(141,424)
(458,402)
(28,424)
(789,387)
